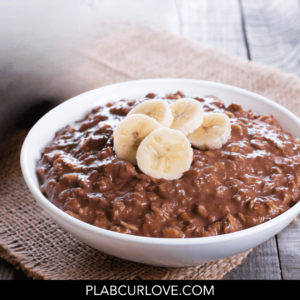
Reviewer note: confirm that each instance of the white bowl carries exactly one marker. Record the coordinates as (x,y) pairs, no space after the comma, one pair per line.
(153,251)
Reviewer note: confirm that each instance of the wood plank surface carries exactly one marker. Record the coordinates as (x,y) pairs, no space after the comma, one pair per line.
(261,264)
(8,272)
(214,23)
(273,32)
(289,251)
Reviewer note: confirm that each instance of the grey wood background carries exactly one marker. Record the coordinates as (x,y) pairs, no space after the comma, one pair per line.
(265,31)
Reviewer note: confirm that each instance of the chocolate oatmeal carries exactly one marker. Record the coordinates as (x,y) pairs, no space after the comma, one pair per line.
(253,178)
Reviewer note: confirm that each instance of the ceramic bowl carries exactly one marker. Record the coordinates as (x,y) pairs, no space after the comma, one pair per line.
(153,251)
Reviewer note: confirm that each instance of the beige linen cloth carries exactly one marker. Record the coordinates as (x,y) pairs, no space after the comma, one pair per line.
(32,241)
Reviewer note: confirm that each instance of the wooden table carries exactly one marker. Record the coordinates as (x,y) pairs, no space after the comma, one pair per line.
(263,31)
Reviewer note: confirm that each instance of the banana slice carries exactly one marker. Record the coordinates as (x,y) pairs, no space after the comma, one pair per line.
(129,134)
(188,115)
(213,133)
(156,109)
(165,153)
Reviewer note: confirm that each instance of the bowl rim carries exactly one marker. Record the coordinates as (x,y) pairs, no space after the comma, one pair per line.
(44,202)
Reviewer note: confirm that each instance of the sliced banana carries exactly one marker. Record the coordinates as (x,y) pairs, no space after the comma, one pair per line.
(165,153)
(213,133)
(188,115)
(156,109)
(129,134)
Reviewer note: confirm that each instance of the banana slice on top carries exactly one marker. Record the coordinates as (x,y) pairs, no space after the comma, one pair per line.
(165,153)
(188,115)
(129,134)
(156,109)
(213,133)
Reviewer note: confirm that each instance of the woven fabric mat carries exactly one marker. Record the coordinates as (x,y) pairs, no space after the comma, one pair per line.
(32,241)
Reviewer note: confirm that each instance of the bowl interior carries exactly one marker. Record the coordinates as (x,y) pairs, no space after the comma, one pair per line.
(76,108)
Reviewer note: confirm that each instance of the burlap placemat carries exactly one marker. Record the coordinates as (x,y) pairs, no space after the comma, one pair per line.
(32,241)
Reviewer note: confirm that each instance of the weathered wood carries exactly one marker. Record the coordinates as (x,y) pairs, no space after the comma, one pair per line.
(273,31)
(214,23)
(262,263)
(289,251)
(6,270)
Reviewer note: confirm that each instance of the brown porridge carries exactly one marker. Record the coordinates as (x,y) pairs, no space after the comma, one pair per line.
(250,180)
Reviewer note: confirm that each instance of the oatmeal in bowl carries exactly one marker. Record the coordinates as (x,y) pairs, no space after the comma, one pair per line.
(138,178)
(249,179)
